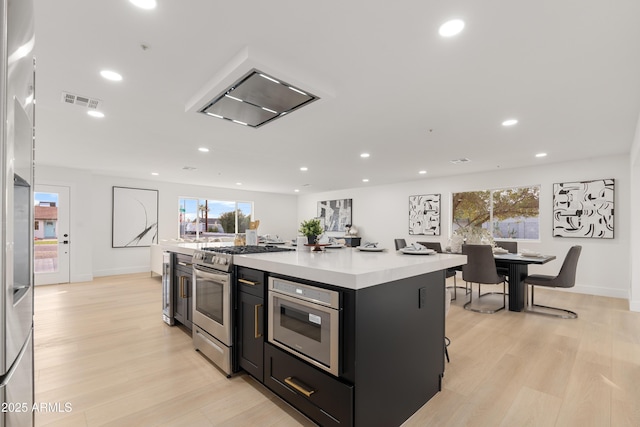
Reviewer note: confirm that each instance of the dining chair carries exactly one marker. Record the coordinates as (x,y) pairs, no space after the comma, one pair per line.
(400,243)
(512,247)
(449,272)
(566,278)
(481,269)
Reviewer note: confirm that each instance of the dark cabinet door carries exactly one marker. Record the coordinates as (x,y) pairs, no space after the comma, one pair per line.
(251,332)
(182,296)
(250,320)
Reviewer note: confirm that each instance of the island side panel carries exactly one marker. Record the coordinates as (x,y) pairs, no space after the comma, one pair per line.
(399,348)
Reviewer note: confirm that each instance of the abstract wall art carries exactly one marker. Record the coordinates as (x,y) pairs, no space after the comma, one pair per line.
(336,214)
(584,209)
(424,214)
(135,217)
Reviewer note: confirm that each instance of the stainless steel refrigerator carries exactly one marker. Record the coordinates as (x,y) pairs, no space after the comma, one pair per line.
(16,212)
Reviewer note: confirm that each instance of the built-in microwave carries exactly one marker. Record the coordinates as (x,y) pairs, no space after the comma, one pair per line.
(305,320)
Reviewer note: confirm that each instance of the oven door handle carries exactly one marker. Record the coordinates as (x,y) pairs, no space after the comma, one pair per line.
(218,277)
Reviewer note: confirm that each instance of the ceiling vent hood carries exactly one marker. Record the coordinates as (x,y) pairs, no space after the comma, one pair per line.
(257,99)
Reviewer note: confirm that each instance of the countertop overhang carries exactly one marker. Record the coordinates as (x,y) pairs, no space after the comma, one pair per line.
(349,267)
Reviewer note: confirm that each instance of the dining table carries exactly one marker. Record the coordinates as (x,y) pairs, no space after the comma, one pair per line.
(518,267)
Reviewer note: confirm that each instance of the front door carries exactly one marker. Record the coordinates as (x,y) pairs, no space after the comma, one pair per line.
(51,234)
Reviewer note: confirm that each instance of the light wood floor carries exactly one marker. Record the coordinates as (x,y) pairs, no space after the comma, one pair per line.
(102,347)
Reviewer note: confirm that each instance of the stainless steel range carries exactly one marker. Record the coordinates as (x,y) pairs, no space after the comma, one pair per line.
(213,301)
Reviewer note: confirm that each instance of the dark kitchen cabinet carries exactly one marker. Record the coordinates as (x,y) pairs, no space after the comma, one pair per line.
(183,289)
(325,399)
(250,321)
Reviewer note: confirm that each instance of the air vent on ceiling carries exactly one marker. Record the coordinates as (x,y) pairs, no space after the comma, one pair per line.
(257,99)
(458,161)
(83,101)
(188,168)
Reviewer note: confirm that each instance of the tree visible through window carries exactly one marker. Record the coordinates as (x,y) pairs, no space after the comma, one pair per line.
(511,213)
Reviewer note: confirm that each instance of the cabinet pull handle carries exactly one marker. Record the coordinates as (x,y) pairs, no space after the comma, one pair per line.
(182,294)
(299,387)
(248,282)
(256,309)
(184,264)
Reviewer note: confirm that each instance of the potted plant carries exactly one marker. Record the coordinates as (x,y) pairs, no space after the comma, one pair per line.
(312,229)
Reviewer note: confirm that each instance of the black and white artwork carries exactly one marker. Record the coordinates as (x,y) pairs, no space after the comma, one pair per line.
(584,209)
(424,214)
(135,217)
(336,214)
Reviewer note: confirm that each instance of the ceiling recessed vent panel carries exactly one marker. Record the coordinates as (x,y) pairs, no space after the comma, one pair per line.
(459,161)
(83,101)
(257,99)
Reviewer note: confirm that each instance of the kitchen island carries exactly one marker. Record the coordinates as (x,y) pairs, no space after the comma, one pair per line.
(391,333)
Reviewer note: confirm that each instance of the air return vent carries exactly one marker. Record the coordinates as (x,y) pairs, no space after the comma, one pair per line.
(458,161)
(83,101)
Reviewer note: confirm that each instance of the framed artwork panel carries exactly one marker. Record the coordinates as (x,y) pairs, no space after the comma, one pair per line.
(336,214)
(134,217)
(424,214)
(584,209)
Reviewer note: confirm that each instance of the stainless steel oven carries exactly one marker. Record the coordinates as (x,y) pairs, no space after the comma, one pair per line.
(212,301)
(305,321)
(212,327)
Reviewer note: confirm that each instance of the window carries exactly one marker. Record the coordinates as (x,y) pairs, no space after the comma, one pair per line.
(509,213)
(213,218)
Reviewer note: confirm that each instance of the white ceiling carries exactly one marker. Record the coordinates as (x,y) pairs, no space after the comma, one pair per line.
(568,70)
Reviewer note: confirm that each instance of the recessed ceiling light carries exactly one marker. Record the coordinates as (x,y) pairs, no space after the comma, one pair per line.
(155,173)
(94,113)
(238,183)
(422,172)
(541,155)
(451,28)
(111,75)
(364,155)
(365,179)
(509,122)
(304,169)
(144,4)
(203,149)
(296,191)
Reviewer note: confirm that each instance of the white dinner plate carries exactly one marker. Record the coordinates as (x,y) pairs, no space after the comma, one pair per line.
(362,248)
(334,246)
(411,251)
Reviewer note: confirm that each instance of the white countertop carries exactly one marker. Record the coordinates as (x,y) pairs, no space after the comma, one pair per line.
(349,267)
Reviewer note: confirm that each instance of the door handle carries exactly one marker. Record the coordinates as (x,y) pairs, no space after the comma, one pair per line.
(64,242)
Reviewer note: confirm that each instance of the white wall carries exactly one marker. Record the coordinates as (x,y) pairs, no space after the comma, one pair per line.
(634,294)
(91,199)
(381,214)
